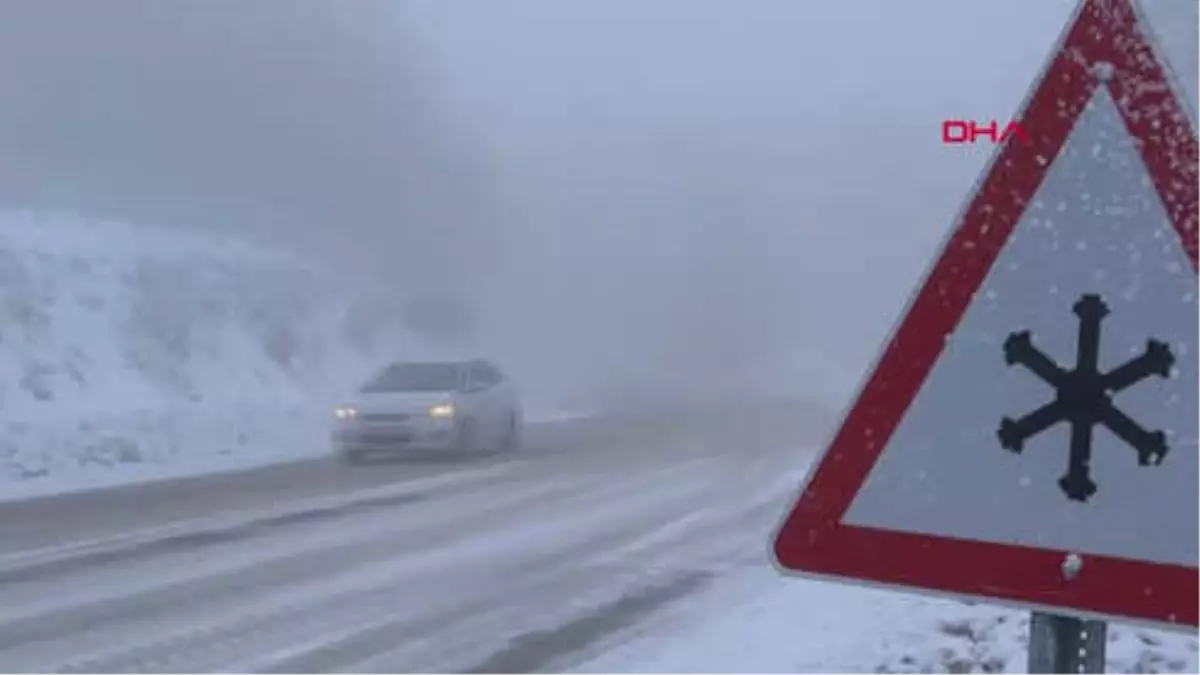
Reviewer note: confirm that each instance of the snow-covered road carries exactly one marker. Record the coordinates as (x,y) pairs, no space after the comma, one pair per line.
(498,563)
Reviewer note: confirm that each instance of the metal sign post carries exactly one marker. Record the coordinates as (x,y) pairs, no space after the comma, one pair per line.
(1065,644)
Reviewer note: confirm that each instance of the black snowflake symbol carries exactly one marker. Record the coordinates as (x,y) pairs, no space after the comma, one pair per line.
(1084,398)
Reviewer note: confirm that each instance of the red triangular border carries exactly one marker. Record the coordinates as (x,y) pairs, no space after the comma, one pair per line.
(813,541)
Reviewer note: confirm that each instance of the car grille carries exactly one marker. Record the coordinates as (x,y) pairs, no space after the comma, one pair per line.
(385,438)
(386,417)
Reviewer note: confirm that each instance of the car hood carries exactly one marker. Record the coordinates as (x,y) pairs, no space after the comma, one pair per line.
(417,402)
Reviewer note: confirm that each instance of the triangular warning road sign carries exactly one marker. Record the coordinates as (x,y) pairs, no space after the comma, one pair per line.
(1029,433)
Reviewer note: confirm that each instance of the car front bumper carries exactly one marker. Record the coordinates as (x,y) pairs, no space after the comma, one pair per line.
(426,434)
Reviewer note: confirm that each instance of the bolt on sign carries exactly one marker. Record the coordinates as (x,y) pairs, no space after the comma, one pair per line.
(1028,434)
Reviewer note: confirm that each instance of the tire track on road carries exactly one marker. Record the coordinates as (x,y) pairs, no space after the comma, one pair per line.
(339,586)
(610,591)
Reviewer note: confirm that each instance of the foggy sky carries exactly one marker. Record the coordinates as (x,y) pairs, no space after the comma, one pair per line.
(754,183)
(681,192)
(300,121)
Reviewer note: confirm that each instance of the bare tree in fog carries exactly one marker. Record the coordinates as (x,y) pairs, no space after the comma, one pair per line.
(304,122)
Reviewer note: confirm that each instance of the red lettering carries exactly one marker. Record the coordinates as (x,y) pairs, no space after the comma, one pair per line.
(1014,128)
(968,131)
(954,131)
(990,131)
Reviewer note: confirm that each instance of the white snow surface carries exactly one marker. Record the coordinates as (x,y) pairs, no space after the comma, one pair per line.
(761,622)
(131,353)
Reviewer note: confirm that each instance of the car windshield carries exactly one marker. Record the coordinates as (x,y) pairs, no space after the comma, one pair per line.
(415,377)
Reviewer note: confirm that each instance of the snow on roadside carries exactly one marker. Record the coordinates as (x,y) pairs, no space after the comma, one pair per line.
(129,353)
(760,622)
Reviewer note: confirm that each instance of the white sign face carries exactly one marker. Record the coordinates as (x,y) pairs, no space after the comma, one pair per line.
(1096,227)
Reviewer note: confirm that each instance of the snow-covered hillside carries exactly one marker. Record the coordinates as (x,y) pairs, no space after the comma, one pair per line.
(129,352)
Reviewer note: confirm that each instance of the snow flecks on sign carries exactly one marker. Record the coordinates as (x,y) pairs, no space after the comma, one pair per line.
(1063,260)
(992,519)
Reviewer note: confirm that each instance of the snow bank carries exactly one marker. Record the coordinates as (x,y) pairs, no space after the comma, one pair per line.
(760,622)
(130,353)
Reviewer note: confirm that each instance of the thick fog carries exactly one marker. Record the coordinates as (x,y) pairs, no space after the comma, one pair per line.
(306,123)
(668,194)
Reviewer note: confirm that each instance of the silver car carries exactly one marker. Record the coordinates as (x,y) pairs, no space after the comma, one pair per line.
(430,406)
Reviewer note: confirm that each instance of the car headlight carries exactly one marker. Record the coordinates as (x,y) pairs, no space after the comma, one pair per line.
(345,413)
(442,411)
